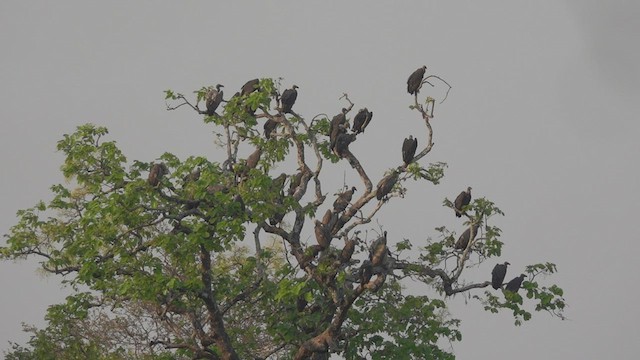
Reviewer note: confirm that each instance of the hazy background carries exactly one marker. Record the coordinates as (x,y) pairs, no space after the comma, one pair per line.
(542,119)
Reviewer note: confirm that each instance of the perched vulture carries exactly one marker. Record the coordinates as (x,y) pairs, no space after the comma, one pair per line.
(348,250)
(252,160)
(289,97)
(213,99)
(466,237)
(343,200)
(378,250)
(339,119)
(461,201)
(409,147)
(249,87)
(323,237)
(415,81)
(515,283)
(192,176)
(341,145)
(497,275)
(361,120)
(329,219)
(385,185)
(295,182)
(269,127)
(366,271)
(156,173)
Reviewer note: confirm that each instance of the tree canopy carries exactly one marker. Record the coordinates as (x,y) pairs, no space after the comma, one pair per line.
(251,258)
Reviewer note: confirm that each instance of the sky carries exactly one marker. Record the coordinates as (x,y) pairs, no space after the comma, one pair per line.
(541,119)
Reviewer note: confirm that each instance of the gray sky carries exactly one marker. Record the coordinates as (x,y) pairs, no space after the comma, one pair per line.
(539,120)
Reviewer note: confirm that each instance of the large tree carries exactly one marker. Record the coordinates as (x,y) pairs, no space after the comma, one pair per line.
(230,260)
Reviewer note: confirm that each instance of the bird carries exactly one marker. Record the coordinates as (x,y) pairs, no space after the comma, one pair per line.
(289,97)
(409,146)
(366,271)
(337,127)
(361,120)
(515,283)
(213,99)
(343,200)
(341,145)
(497,275)
(295,182)
(156,173)
(415,80)
(385,185)
(463,199)
(466,237)
(269,126)
(378,250)
(249,87)
(322,235)
(252,160)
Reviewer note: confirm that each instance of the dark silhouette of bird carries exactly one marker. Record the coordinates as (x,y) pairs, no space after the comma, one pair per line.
(463,199)
(366,271)
(415,80)
(466,237)
(289,97)
(497,275)
(343,200)
(252,160)
(249,87)
(269,126)
(156,173)
(378,250)
(409,146)
(295,182)
(361,120)
(341,145)
(386,185)
(337,127)
(323,237)
(213,98)
(515,283)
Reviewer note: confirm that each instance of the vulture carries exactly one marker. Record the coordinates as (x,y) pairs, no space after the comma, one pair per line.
(366,271)
(329,219)
(343,200)
(415,81)
(348,250)
(385,185)
(361,120)
(249,87)
(192,176)
(337,127)
(156,173)
(466,237)
(252,160)
(213,99)
(409,147)
(378,250)
(341,144)
(323,237)
(497,275)
(461,201)
(288,99)
(515,283)
(269,127)
(295,182)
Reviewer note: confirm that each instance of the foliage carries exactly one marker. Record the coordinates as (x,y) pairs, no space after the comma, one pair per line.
(200,259)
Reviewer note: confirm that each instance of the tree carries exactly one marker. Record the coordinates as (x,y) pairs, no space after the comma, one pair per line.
(211,260)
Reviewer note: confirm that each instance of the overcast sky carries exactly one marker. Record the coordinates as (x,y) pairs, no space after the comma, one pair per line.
(542,119)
